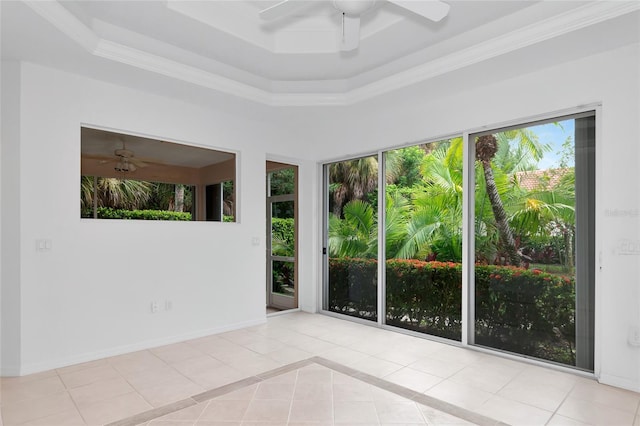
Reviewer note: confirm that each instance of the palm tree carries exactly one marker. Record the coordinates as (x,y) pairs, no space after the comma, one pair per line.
(526,151)
(486,149)
(115,193)
(356,234)
(352,180)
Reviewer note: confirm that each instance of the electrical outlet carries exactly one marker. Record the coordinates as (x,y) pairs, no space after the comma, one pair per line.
(154,307)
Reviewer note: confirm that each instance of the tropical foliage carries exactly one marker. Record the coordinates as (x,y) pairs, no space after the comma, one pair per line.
(524,222)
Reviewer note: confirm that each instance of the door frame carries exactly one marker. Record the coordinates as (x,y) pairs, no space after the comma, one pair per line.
(275,300)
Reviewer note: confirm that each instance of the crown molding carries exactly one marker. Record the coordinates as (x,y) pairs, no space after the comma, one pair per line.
(575,19)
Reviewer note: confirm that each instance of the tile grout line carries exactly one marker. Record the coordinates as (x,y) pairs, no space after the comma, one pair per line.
(562,402)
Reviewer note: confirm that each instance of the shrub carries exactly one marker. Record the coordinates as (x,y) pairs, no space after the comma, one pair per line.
(109,213)
(353,287)
(523,311)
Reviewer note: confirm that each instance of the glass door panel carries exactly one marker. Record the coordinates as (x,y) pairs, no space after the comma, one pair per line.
(423,238)
(281,239)
(351,209)
(533,215)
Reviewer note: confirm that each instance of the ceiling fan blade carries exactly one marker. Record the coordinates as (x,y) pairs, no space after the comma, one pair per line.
(280,10)
(433,10)
(350,33)
(137,162)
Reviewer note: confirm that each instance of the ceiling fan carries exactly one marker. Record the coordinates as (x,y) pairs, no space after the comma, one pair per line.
(124,159)
(434,10)
(126,162)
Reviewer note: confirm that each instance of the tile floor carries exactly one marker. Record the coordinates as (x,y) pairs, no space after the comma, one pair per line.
(109,390)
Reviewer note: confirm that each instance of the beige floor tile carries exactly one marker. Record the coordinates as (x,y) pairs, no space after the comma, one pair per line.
(100,391)
(176,352)
(558,420)
(254,365)
(209,423)
(594,412)
(197,365)
(485,377)
(12,392)
(232,354)
(313,345)
(29,377)
(239,337)
(220,410)
(314,374)
(267,411)
(515,413)
(610,396)
(455,354)
(288,355)
(413,379)
(65,418)
(85,376)
(304,424)
(161,422)
(399,412)
(216,377)
(437,367)
(311,411)
(34,409)
(344,355)
(376,366)
(136,361)
(170,391)
(151,377)
(117,408)
(207,343)
(547,377)
(401,356)
(355,412)
(356,391)
(189,414)
(283,391)
(313,391)
(437,417)
(460,395)
(265,345)
(538,395)
(83,366)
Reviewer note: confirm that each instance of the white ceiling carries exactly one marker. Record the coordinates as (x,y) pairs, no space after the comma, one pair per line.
(226,47)
(99,145)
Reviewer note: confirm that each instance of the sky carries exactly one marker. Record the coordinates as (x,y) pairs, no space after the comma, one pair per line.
(554,135)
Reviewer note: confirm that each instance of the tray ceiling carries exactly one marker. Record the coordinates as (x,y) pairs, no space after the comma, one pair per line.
(225,46)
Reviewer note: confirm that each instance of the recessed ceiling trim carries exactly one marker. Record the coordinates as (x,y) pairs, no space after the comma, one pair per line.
(150,62)
(66,22)
(580,17)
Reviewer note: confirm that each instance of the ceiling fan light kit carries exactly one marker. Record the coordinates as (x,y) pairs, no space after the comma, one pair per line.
(351,10)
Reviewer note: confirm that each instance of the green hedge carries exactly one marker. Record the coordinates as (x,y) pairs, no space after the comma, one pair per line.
(523,311)
(109,213)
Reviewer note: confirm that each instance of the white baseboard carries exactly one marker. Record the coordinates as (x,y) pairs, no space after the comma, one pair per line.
(619,382)
(119,350)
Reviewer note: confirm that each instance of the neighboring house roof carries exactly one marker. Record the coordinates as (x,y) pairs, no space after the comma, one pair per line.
(539,179)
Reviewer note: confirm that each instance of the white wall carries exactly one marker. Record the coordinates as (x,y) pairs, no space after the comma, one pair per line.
(90,295)
(452,105)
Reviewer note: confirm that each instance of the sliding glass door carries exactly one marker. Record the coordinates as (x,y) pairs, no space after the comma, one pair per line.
(534,239)
(351,249)
(529,283)
(423,238)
